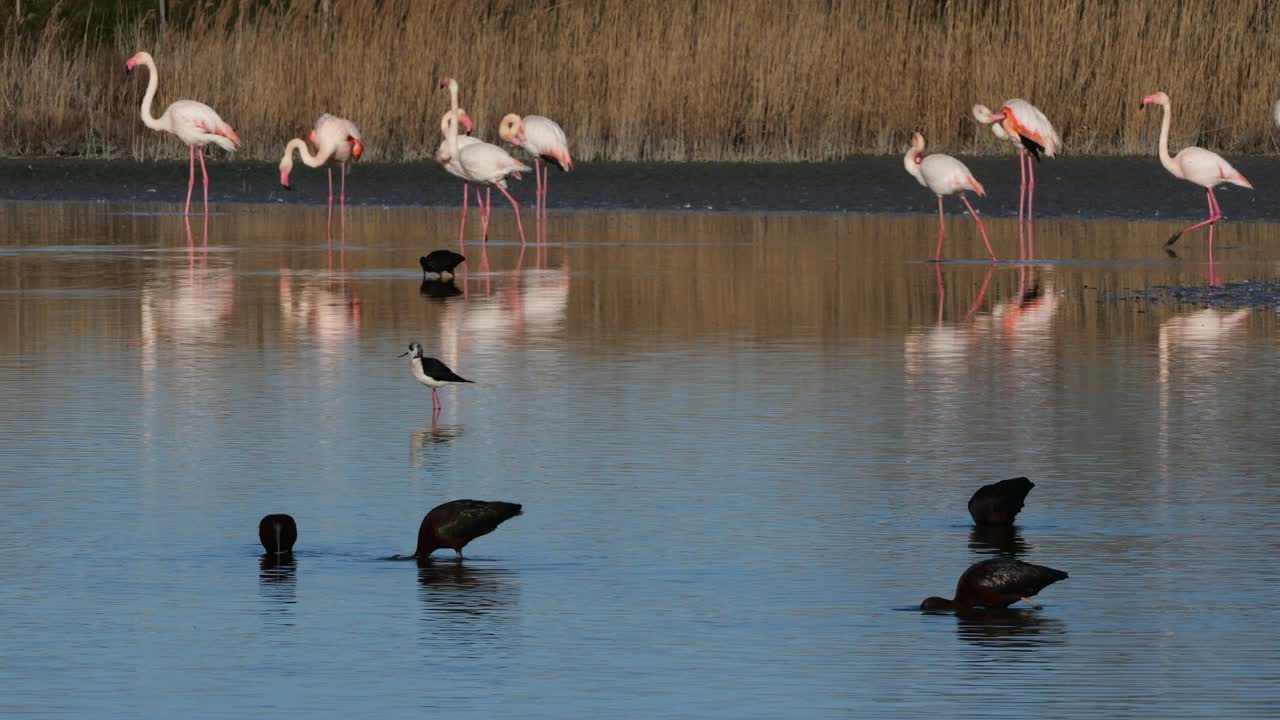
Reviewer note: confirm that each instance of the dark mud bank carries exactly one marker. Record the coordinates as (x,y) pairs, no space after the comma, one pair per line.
(1124,188)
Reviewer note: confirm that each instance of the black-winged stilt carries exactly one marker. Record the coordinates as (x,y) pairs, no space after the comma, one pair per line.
(431,372)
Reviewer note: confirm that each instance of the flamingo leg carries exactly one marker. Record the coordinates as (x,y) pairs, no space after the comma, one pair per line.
(981,229)
(1031,195)
(537,192)
(204,175)
(937,253)
(1214,216)
(488,203)
(329,222)
(1022,200)
(515,206)
(462,227)
(342,202)
(484,215)
(942,289)
(191,179)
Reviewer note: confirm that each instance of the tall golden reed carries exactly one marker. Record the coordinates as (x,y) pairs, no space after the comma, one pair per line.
(664,79)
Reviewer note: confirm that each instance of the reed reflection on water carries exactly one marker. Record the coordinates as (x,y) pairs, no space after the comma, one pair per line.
(744,445)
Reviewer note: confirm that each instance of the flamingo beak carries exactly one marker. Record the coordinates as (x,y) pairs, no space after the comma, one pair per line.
(357,147)
(311,137)
(467,125)
(997,117)
(284,180)
(128,67)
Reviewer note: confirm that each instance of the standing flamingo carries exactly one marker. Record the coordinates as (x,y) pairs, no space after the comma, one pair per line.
(944,175)
(1202,167)
(195,124)
(449,162)
(337,140)
(482,162)
(1022,124)
(545,140)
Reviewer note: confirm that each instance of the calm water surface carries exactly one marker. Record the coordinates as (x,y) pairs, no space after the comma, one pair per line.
(744,445)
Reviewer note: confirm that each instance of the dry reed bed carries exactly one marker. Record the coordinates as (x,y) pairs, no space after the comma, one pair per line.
(664,80)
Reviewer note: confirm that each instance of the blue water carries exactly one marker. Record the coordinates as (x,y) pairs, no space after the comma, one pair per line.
(744,445)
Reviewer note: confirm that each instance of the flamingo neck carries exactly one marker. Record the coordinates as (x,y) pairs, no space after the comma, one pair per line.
(153,82)
(453,119)
(305,153)
(911,161)
(1165,159)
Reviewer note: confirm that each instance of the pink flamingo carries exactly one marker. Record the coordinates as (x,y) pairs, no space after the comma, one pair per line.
(1022,124)
(1202,167)
(337,140)
(195,124)
(545,140)
(944,175)
(449,160)
(482,162)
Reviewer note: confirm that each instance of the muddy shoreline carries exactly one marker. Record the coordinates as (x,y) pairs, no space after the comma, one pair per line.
(1091,187)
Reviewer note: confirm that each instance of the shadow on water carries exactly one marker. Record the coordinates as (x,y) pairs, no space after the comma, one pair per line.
(439,289)
(277,578)
(462,590)
(1010,628)
(998,541)
(429,437)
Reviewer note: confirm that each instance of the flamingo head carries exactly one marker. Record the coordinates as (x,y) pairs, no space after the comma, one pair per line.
(448,82)
(465,121)
(137,59)
(357,147)
(511,129)
(983,114)
(1158,98)
(311,137)
(917,143)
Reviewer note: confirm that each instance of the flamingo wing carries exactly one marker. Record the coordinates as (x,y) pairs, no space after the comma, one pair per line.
(197,123)
(1026,120)
(946,175)
(545,138)
(1207,168)
(484,162)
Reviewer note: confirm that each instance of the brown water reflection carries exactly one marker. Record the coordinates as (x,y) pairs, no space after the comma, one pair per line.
(609,277)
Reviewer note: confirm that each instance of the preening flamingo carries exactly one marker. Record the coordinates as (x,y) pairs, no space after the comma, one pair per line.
(1202,167)
(944,175)
(337,140)
(449,161)
(1022,124)
(545,141)
(195,124)
(482,162)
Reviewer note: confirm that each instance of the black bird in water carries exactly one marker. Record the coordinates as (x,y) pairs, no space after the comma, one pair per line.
(997,583)
(278,533)
(458,522)
(999,503)
(440,262)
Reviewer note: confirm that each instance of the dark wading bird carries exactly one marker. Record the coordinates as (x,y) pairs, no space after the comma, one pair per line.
(440,262)
(997,583)
(999,503)
(278,533)
(458,522)
(431,372)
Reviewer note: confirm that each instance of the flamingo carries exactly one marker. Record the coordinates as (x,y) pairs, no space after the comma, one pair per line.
(337,140)
(195,124)
(545,140)
(449,162)
(944,175)
(1202,167)
(482,162)
(1022,124)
